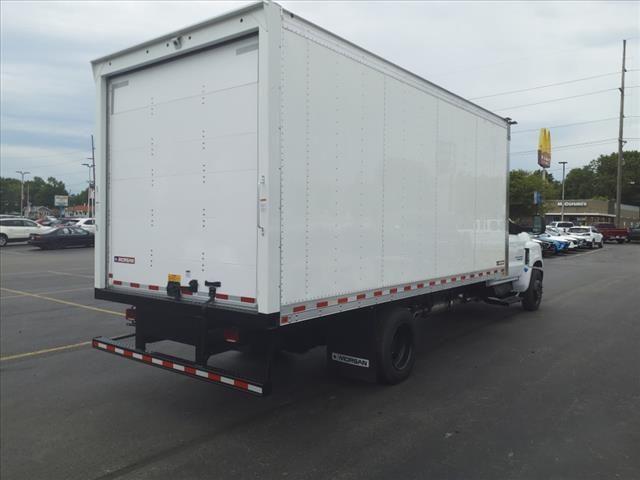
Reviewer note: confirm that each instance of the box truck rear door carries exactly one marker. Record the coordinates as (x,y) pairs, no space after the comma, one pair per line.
(182,172)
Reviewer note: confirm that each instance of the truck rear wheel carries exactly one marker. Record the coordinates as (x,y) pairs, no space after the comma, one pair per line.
(396,346)
(532,297)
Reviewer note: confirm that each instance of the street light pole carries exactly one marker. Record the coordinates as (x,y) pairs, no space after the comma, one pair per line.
(22,174)
(562,207)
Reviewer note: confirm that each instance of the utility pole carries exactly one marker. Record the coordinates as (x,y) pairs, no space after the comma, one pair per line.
(92,187)
(22,174)
(88,189)
(562,207)
(92,179)
(620,137)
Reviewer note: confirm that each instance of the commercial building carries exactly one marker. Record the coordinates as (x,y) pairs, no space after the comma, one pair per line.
(588,212)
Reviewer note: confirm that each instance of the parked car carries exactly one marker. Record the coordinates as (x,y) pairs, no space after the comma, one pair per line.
(16,229)
(62,237)
(553,235)
(634,234)
(591,234)
(88,224)
(549,247)
(48,221)
(581,242)
(610,232)
(561,226)
(560,245)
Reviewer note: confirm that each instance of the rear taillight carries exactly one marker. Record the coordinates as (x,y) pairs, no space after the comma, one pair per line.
(231,335)
(130,313)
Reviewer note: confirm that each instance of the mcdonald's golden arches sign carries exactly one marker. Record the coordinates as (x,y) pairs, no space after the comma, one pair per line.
(544,148)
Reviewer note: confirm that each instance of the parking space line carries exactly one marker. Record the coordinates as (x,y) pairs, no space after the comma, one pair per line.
(64,302)
(13,253)
(70,274)
(46,350)
(40,272)
(4,297)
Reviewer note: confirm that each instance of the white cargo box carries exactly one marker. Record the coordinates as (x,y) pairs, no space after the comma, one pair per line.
(304,173)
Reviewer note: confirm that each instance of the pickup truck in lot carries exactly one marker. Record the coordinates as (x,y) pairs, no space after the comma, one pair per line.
(325,197)
(610,232)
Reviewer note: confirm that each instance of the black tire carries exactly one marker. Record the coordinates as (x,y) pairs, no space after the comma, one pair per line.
(3,240)
(621,241)
(396,352)
(532,297)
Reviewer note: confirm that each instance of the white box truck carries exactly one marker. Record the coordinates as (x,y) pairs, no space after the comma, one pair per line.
(264,184)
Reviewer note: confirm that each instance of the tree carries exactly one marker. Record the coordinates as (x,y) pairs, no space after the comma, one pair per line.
(522,185)
(42,192)
(78,198)
(9,195)
(580,183)
(599,178)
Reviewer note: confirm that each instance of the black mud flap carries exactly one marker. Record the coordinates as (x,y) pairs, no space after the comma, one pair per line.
(182,366)
(351,347)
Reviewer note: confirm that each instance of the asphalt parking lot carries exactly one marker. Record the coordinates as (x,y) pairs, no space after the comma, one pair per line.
(496,392)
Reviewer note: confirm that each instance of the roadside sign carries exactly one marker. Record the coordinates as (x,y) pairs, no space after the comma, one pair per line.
(544,148)
(61,200)
(537,198)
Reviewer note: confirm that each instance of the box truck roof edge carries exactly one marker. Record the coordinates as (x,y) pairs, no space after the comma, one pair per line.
(256,6)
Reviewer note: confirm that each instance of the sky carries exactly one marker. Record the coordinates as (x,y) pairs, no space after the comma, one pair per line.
(474,49)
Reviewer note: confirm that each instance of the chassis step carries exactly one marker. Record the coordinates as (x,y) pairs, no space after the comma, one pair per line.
(179,365)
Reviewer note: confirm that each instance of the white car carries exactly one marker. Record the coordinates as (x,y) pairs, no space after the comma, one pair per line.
(581,242)
(591,234)
(561,227)
(88,224)
(17,230)
(553,235)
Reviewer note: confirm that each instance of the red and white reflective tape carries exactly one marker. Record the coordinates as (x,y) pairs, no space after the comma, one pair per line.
(225,297)
(290,313)
(184,369)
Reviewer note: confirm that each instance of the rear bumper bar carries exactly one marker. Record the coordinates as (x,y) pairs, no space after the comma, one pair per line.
(166,306)
(181,366)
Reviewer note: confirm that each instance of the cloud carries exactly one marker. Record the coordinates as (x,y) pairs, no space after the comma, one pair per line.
(470,48)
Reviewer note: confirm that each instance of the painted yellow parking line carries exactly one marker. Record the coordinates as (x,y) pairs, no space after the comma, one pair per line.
(63,302)
(70,274)
(4,297)
(46,350)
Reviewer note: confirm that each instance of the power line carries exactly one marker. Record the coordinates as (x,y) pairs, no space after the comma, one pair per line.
(44,156)
(595,142)
(580,145)
(68,162)
(555,99)
(573,124)
(546,55)
(566,125)
(546,86)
